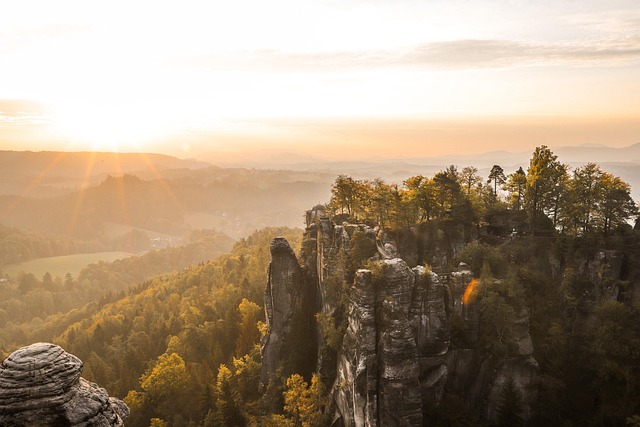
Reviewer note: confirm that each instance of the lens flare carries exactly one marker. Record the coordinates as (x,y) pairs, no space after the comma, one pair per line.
(469,294)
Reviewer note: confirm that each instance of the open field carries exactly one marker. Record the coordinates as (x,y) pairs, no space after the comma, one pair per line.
(61,265)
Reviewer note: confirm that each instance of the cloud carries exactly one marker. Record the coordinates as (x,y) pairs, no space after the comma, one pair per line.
(455,54)
(499,53)
(18,39)
(22,112)
(47,31)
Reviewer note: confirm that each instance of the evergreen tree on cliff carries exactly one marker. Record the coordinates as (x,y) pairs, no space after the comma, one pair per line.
(497,176)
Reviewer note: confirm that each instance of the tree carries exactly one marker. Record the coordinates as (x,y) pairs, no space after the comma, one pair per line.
(303,403)
(248,334)
(343,193)
(361,248)
(498,302)
(446,191)
(613,349)
(349,196)
(592,201)
(400,206)
(540,180)
(227,411)
(380,195)
(558,187)
(469,178)
(247,375)
(586,192)
(413,194)
(68,281)
(421,193)
(26,282)
(165,383)
(515,186)
(616,206)
(497,176)
(47,280)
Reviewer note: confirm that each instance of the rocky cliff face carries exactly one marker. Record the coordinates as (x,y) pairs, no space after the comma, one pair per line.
(40,385)
(290,345)
(378,380)
(396,359)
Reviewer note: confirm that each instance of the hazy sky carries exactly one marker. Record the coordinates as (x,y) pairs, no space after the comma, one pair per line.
(392,77)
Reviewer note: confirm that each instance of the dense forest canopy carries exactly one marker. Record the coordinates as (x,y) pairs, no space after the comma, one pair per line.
(31,308)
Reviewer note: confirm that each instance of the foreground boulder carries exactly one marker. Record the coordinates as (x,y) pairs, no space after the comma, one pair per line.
(40,385)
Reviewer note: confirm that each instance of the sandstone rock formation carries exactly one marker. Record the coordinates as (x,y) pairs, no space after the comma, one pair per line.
(40,385)
(290,345)
(396,359)
(378,366)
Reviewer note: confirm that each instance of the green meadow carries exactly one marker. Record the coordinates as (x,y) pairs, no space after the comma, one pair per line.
(61,265)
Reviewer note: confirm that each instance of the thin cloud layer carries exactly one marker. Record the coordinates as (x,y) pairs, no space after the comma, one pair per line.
(22,112)
(498,53)
(455,54)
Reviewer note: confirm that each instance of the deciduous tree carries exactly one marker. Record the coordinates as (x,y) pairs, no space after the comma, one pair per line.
(543,166)
(616,206)
(469,178)
(303,402)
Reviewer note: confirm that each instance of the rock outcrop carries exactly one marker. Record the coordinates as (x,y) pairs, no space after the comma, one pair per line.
(290,345)
(378,365)
(40,385)
(430,327)
(396,360)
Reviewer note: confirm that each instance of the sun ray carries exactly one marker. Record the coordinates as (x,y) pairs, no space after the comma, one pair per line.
(163,182)
(81,193)
(32,185)
(122,192)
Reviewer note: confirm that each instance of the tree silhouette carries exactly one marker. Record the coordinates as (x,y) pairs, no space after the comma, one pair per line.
(497,176)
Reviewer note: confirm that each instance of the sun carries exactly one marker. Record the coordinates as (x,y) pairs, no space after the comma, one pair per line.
(107,125)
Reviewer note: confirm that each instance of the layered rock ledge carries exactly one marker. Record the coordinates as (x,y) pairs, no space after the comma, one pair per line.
(40,385)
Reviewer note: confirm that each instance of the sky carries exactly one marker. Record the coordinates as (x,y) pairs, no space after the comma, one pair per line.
(337,78)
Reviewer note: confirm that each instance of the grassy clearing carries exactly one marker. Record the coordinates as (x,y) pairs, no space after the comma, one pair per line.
(61,265)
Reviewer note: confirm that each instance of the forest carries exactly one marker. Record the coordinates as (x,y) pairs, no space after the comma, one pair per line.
(550,196)
(31,306)
(176,332)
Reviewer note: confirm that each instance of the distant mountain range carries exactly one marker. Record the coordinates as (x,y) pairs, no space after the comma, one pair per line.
(288,159)
(49,173)
(623,161)
(76,164)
